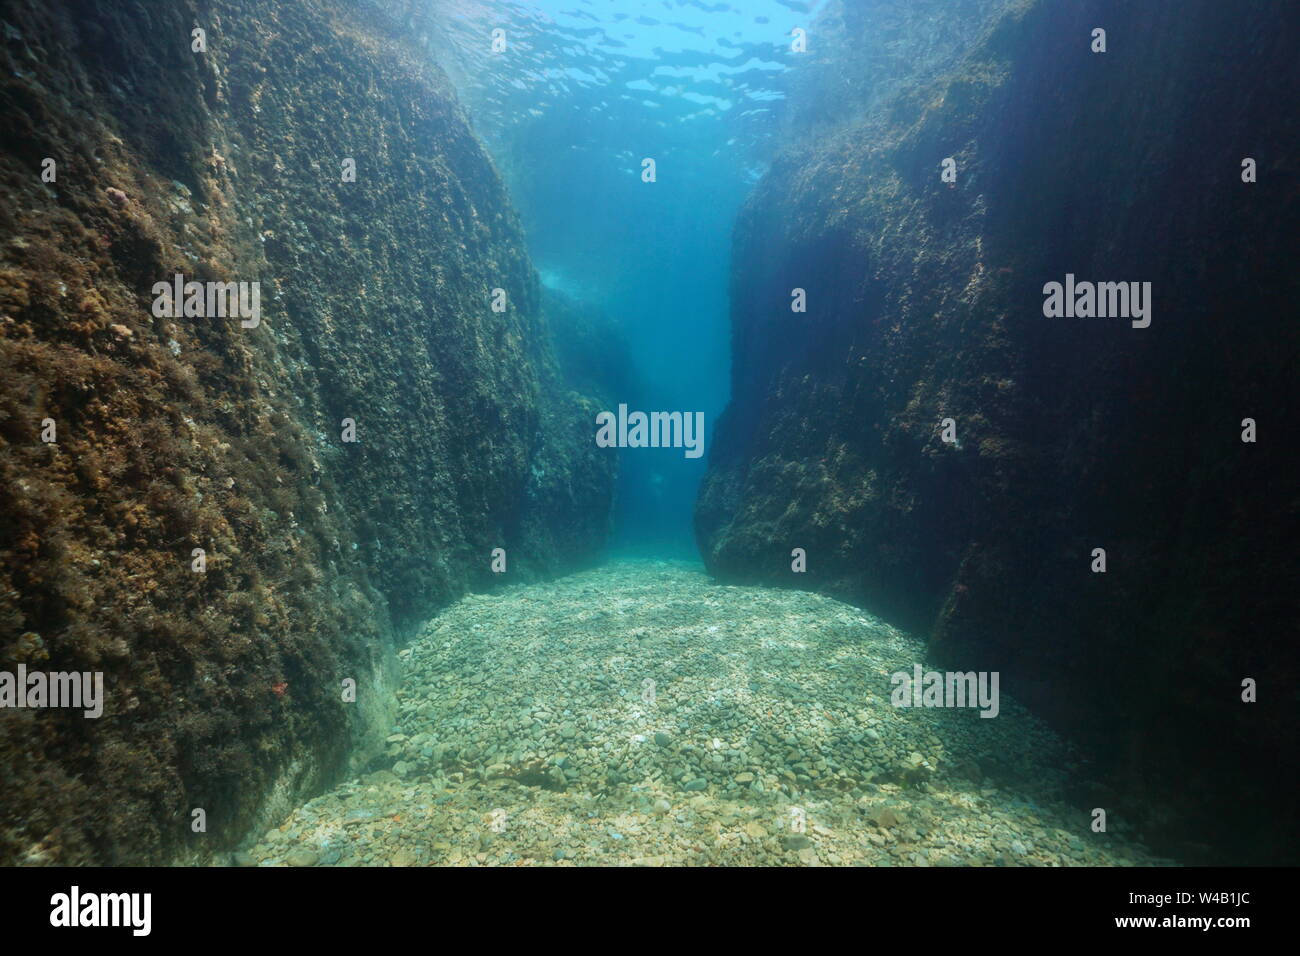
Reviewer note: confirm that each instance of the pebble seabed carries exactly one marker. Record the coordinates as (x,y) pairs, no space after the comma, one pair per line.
(641,714)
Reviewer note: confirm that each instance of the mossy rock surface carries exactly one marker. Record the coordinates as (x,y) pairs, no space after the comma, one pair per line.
(224,688)
(925,302)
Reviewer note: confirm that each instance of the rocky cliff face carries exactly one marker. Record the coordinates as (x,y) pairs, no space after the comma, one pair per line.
(223,688)
(925,302)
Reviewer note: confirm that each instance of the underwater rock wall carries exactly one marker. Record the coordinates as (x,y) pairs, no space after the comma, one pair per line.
(228,164)
(925,301)
(861,53)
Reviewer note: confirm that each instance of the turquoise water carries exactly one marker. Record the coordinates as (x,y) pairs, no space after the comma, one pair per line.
(857,294)
(582,95)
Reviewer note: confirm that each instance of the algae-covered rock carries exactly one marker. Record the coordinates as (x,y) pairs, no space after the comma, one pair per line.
(925,303)
(302,148)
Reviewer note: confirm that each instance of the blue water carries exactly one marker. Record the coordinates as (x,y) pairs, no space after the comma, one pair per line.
(584,92)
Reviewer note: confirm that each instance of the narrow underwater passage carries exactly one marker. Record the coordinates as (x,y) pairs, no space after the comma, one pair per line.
(628,147)
(535,432)
(642,713)
(716,224)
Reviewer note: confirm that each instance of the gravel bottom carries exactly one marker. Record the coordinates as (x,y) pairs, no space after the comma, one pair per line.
(642,714)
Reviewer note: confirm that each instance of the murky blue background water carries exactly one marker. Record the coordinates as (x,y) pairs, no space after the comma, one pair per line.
(585,92)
